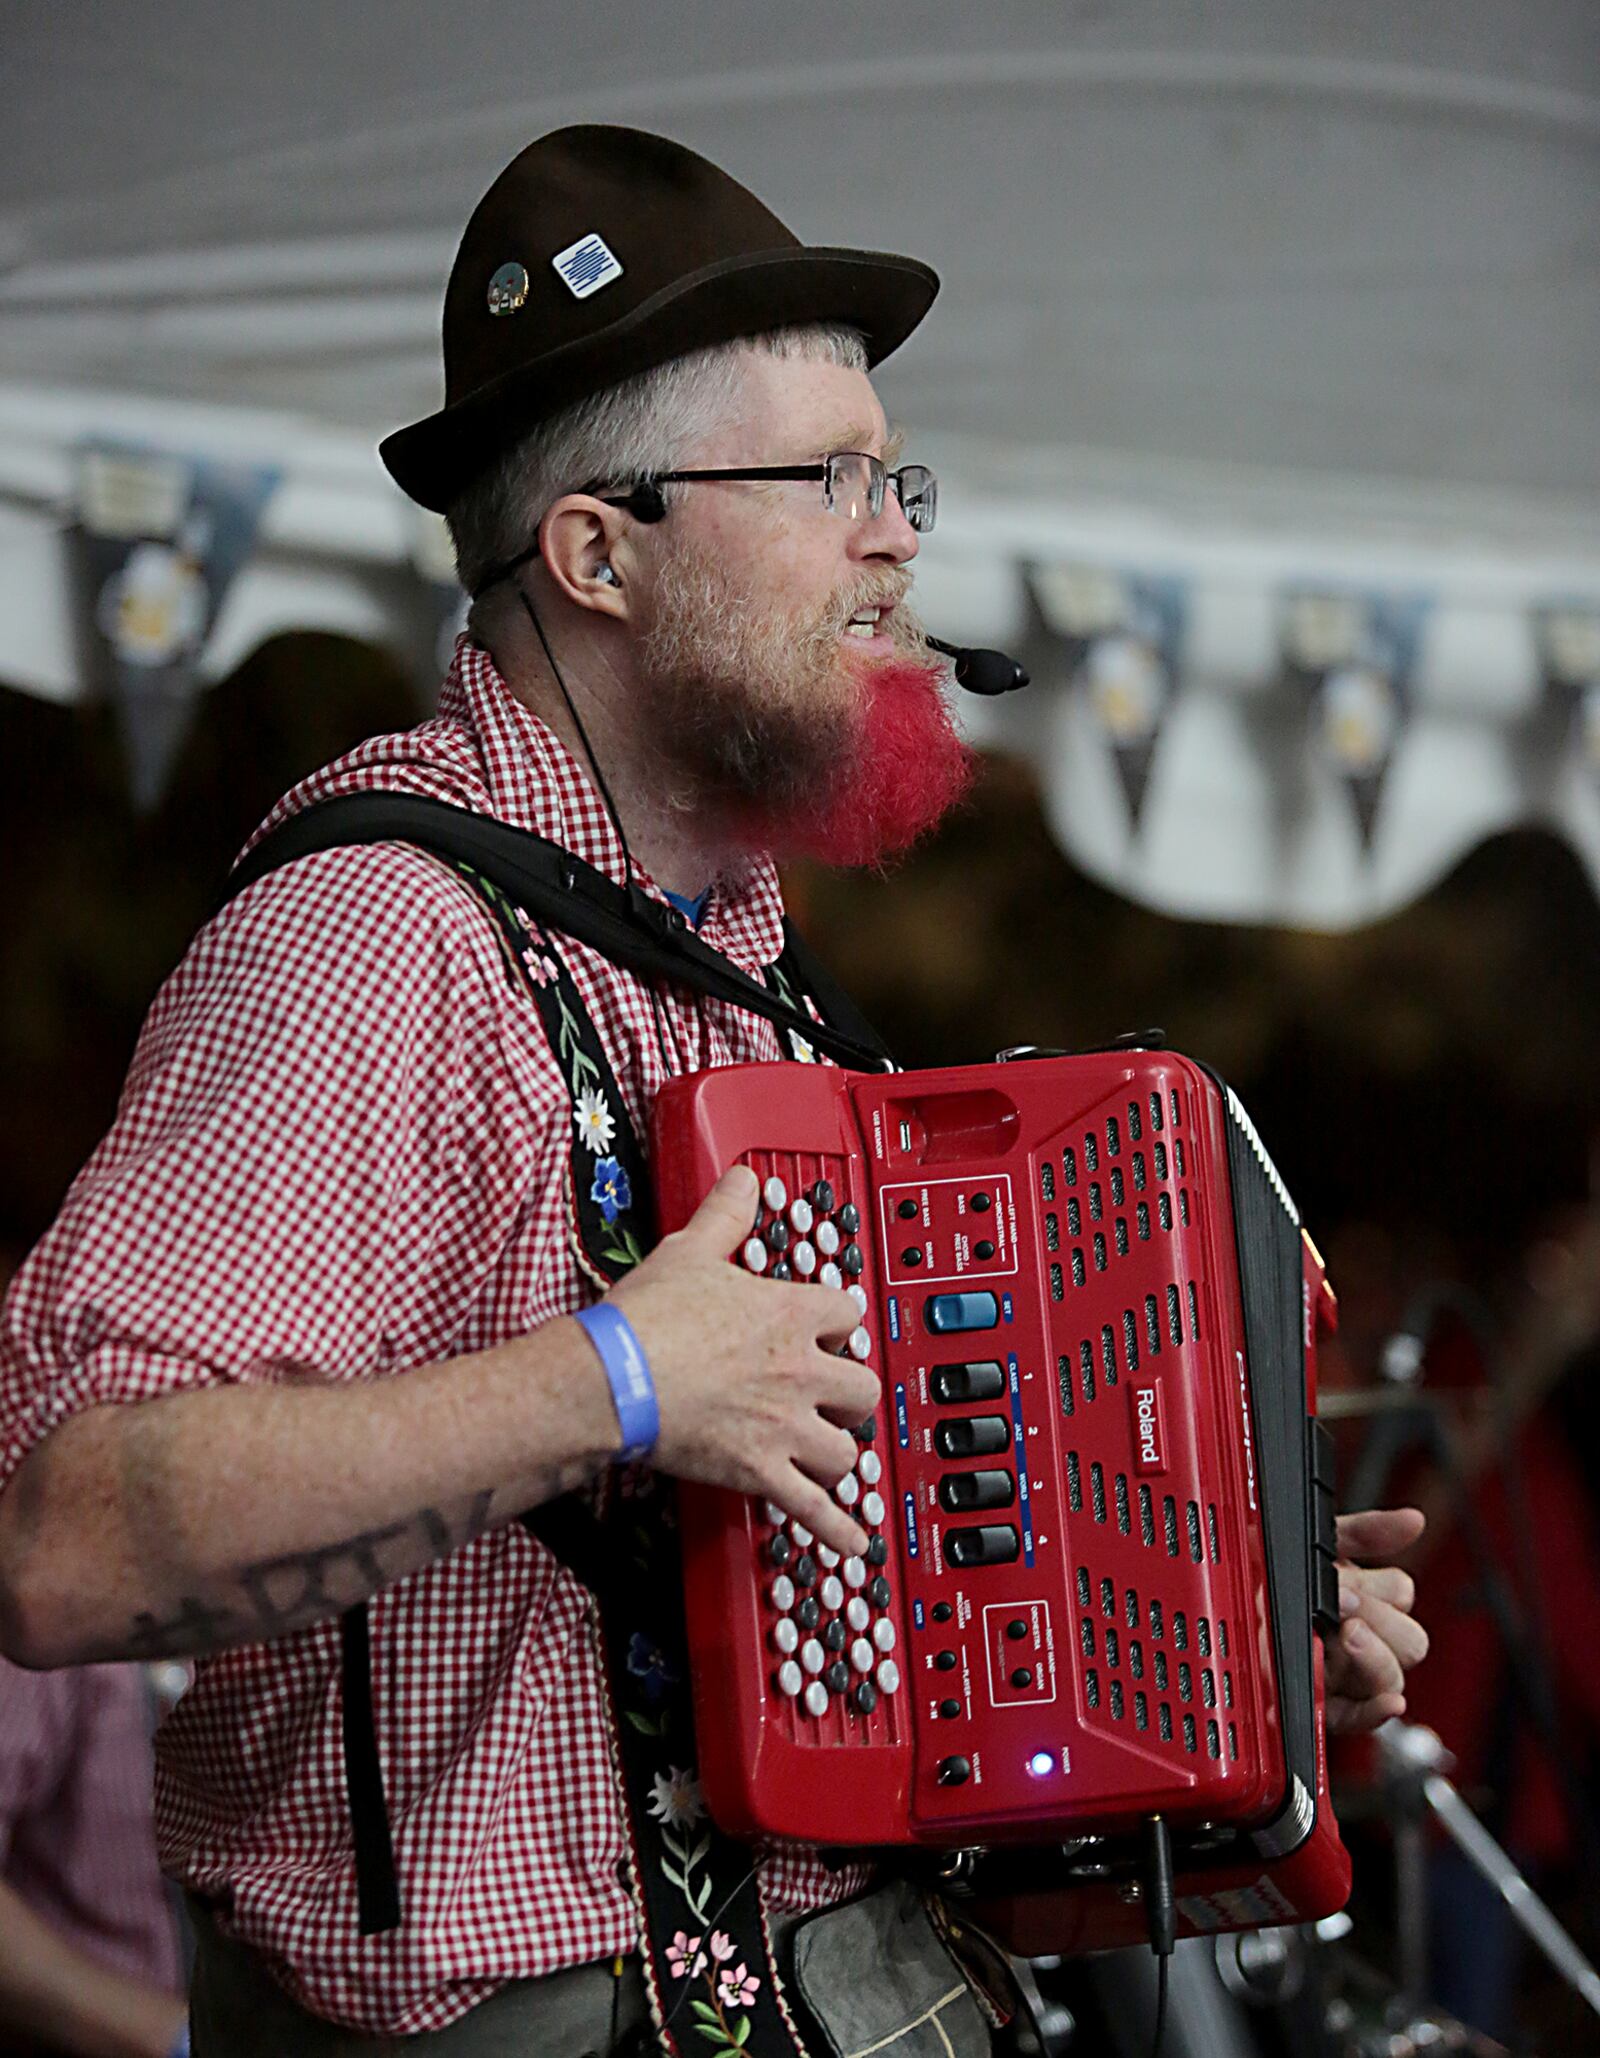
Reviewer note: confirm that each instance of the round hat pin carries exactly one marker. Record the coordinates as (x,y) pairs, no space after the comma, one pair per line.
(508,289)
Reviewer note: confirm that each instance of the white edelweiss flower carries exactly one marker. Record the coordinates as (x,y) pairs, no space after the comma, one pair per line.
(675,1798)
(595,1122)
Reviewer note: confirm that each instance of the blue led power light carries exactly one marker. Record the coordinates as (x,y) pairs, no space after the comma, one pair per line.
(1041,1764)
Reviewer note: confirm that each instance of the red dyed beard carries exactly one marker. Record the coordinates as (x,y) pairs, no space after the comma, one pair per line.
(793,745)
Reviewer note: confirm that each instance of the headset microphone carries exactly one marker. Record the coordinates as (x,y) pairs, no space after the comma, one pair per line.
(982,671)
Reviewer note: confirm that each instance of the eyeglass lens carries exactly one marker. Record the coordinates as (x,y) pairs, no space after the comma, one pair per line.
(855,484)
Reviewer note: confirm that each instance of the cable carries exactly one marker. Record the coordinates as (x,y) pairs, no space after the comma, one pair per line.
(1160,1914)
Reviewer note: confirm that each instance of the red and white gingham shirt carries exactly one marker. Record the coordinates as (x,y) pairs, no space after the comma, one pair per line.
(338,1153)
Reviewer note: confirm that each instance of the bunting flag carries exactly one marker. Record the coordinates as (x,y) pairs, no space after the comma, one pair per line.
(160,540)
(1120,634)
(434,559)
(1353,654)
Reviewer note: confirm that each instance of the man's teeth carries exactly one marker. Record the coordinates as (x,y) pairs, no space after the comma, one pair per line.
(864,624)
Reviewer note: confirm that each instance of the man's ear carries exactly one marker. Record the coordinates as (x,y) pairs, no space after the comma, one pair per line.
(586,554)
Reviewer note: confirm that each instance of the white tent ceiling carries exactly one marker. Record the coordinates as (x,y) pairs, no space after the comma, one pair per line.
(1245,294)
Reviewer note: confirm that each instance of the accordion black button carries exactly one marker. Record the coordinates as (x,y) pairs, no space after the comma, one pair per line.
(864,1432)
(836,1636)
(949,1710)
(1022,1676)
(945,1660)
(983,1251)
(954,1771)
(994,1544)
(961,1491)
(781,1270)
(809,1612)
(979,1203)
(852,1261)
(822,1197)
(878,1551)
(865,1696)
(780,1550)
(942,1611)
(878,1591)
(778,1235)
(982,1380)
(849,1218)
(805,1568)
(974,1436)
(911,1255)
(837,1676)
(908,1210)
(1016,1630)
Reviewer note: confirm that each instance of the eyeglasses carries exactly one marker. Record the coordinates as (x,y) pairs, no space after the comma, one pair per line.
(853,484)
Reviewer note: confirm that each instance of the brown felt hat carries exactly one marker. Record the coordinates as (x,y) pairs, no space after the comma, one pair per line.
(599,252)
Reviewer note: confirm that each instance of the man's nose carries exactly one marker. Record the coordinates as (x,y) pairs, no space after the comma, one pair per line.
(888,534)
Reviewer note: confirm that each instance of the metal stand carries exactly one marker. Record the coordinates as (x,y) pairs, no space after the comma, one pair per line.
(1416,1764)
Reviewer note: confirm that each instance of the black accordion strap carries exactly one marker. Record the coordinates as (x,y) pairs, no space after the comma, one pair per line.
(622,923)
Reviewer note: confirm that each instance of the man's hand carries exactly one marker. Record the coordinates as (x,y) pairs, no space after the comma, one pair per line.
(1378,1642)
(751,1391)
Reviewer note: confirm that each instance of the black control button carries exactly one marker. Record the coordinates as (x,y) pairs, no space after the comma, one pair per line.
(973,1436)
(865,1432)
(908,1210)
(962,1492)
(984,1250)
(849,1218)
(942,1611)
(949,1710)
(945,1660)
(911,1255)
(1022,1676)
(780,1550)
(781,1270)
(805,1566)
(980,1380)
(851,1260)
(823,1197)
(954,1771)
(1017,1630)
(778,1234)
(878,1551)
(996,1543)
(878,1591)
(808,1613)
(836,1636)
(980,1203)
(837,1676)
(865,1696)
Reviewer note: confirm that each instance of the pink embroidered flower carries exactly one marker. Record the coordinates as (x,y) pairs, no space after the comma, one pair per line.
(737,1989)
(541,970)
(685,1959)
(722,1946)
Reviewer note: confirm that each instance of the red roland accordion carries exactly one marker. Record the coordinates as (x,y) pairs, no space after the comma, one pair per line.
(1100,1507)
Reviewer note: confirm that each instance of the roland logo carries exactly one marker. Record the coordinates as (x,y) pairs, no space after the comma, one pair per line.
(1149,1442)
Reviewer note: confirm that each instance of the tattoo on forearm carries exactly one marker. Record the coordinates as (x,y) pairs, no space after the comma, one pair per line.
(302,1587)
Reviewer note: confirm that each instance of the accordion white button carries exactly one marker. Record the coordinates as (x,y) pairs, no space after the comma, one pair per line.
(830,1558)
(855,1572)
(786,1636)
(888,1676)
(775,1194)
(859,1295)
(816,1698)
(831,1593)
(861,1655)
(870,1466)
(827,1238)
(883,1633)
(848,1491)
(801,1217)
(755,1254)
(860,1344)
(858,1614)
(782,1591)
(775,1515)
(830,1275)
(803,1259)
(790,1678)
(872,1509)
(802,1536)
(812,1655)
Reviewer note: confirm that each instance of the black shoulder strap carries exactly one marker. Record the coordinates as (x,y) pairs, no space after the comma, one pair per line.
(622,923)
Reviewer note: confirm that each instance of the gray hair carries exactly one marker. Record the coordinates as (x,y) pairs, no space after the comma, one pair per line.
(645,424)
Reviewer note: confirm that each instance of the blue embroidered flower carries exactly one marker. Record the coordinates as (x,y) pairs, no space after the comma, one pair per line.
(650,1666)
(611,1192)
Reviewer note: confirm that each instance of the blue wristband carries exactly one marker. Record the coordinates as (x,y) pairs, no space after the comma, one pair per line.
(628,1370)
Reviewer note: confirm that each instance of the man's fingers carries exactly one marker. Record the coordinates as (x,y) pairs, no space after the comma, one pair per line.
(1379,1532)
(1383,1583)
(1358,1663)
(847,1390)
(723,1219)
(1405,1637)
(831,1312)
(817,1510)
(1355,1718)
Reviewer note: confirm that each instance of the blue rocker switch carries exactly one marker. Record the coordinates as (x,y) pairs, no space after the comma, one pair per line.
(948,1312)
